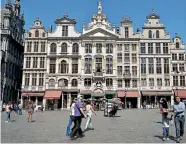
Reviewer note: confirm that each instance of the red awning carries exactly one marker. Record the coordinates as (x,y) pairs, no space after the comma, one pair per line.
(180,93)
(156,93)
(32,94)
(52,94)
(131,93)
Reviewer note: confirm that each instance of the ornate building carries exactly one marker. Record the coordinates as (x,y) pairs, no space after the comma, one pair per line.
(103,61)
(12,49)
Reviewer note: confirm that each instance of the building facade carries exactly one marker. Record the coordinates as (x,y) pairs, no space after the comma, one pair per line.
(12,50)
(103,61)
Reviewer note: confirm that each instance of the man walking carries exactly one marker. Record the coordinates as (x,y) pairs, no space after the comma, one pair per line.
(178,109)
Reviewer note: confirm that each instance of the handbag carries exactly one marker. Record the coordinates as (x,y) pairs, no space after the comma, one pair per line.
(82,116)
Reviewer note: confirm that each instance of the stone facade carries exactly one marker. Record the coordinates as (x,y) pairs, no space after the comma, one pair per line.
(12,49)
(103,60)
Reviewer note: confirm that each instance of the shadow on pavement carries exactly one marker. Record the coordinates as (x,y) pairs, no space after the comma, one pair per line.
(161,137)
(13,120)
(158,122)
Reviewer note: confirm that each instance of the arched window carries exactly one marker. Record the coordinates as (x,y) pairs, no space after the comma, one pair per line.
(109,82)
(150,34)
(30,34)
(36,33)
(157,34)
(63,67)
(87,82)
(53,47)
(177,45)
(74,83)
(63,83)
(43,34)
(51,83)
(75,48)
(64,48)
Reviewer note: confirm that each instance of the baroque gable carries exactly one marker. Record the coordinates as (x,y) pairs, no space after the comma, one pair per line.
(65,20)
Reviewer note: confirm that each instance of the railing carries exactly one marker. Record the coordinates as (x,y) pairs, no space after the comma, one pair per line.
(127,75)
(98,74)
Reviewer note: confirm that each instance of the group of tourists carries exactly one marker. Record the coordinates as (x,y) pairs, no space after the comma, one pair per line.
(177,111)
(76,116)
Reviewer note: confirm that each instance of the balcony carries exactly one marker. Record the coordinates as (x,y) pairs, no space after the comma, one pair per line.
(127,76)
(98,74)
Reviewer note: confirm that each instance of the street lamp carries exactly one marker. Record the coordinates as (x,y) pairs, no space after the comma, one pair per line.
(125,99)
(127,75)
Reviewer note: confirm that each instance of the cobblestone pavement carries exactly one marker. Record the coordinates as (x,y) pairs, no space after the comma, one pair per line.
(131,126)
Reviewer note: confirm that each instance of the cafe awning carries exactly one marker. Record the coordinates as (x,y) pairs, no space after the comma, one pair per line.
(156,93)
(128,93)
(181,93)
(25,94)
(52,94)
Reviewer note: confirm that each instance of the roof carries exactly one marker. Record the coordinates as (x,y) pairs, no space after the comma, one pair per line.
(65,20)
(153,15)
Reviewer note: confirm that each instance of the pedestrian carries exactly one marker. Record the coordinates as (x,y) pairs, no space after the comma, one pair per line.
(144,105)
(89,111)
(30,109)
(8,111)
(179,118)
(78,115)
(4,106)
(20,106)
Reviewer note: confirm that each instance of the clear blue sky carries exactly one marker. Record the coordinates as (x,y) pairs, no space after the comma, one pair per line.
(172,12)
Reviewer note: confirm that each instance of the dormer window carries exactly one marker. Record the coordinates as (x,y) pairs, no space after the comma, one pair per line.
(43,34)
(150,34)
(36,33)
(65,31)
(30,35)
(157,34)
(126,32)
(177,45)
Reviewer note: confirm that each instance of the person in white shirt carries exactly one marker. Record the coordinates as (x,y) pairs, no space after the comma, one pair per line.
(89,111)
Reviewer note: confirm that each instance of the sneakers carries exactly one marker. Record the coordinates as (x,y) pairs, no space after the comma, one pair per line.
(164,139)
(178,140)
(6,121)
(181,137)
(167,138)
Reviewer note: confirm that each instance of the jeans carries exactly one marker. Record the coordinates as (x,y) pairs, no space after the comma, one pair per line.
(77,127)
(165,132)
(68,127)
(89,121)
(20,111)
(179,124)
(7,116)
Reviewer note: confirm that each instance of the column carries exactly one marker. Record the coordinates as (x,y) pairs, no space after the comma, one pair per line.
(62,101)
(44,104)
(172,100)
(69,101)
(36,101)
(28,98)
(139,102)
(22,101)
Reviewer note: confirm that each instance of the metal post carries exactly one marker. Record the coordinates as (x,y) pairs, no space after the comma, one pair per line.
(125,99)
(4,83)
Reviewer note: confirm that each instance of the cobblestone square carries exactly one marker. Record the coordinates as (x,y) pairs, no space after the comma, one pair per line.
(130,126)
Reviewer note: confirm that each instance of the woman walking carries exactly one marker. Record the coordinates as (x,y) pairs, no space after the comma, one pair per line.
(8,111)
(30,109)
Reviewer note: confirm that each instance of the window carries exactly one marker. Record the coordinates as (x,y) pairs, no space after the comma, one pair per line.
(119,83)
(126,46)
(75,48)
(177,45)
(27,79)
(74,65)
(74,83)
(151,82)
(87,82)
(30,34)
(174,56)
(119,46)
(134,58)
(181,57)
(88,65)
(158,48)
(88,48)
(133,47)
(143,65)
(42,46)
(36,46)
(53,47)
(127,57)
(42,62)
(150,48)
(134,70)
(127,70)
(98,48)
(63,83)
(29,46)
(43,34)
(157,34)
(64,48)
(143,82)
(51,83)
(36,33)
(159,82)
(109,82)
(28,62)
(174,67)
(151,65)
(35,59)
(134,83)
(167,82)
(65,31)
(166,65)
(41,79)
(119,58)
(34,79)
(142,49)
(109,65)
(127,83)
(126,32)
(119,70)
(182,80)
(52,65)
(150,34)
(109,48)
(158,66)
(165,48)
(63,67)
(98,64)
(181,67)
(175,80)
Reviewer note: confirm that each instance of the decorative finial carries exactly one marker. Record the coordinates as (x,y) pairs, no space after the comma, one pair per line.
(83,24)
(65,15)
(176,34)
(8,4)
(37,19)
(99,8)
(153,11)
(23,16)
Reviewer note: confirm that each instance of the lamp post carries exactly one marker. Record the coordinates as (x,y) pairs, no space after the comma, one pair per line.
(127,75)
(125,99)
